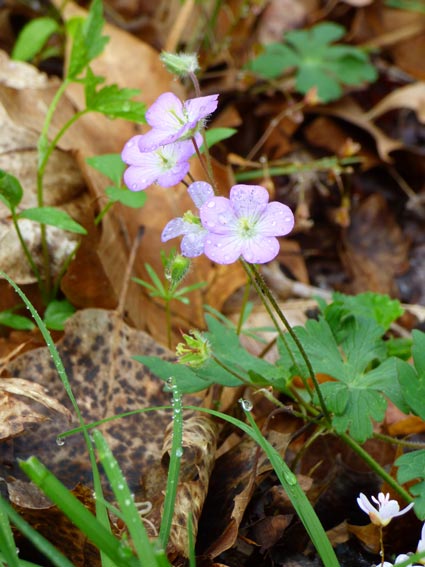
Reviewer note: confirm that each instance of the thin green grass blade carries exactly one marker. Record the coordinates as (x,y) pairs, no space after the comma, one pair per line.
(7,542)
(174,465)
(191,538)
(129,512)
(42,544)
(101,512)
(289,482)
(78,513)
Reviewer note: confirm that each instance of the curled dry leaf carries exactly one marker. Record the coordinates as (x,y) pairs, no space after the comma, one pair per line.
(347,109)
(411,96)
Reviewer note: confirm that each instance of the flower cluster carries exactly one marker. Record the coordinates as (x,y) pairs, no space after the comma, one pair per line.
(244,225)
(162,154)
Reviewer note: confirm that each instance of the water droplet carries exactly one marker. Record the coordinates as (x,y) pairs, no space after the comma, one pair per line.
(130,144)
(60,441)
(134,186)
(290,478)
(179,452)
(274,223)
(210,204)
(120,486)
(127,502)
(208,241)
(288,219)
(246,404)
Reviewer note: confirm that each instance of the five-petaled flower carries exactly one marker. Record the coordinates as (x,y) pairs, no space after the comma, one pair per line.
(387,509)
(166,165)
(173,120)
(190,225)
(244,225)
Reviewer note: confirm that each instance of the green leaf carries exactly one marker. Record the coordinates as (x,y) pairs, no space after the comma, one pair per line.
(412,467)
(57,313)
(275,59)
(412,380)
(32,38)
(88,41)
(133,199)
(53,217)
(110,165)
(10,319)
(11,191)
(216,135)
(378,307)
(187,380)
(319,64)
(112,100)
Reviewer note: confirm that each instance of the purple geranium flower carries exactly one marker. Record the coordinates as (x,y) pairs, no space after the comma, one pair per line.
(172,120)
(190,225)
(166,165)
(245,225)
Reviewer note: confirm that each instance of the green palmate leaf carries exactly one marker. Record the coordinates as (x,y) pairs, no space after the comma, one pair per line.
(32,38)
(275,59)
(88,41)
(354,354)
(319,64)
(112,100)
(412,380)
(53,217)
(188,379)
(111,165)
(57,313)
(11,191)
(412,467)
(379,307)
(226,347)
(133,199)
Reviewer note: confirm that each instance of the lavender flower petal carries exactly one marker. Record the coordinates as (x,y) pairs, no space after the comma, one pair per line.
(217,216)
(248,200)
(222,249)
(260,250)
(277,220)
(200,192)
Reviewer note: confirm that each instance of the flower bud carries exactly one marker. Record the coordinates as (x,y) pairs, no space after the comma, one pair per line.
(176,269)
(180,64)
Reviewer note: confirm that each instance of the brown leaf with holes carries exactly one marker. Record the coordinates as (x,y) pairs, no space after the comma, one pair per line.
(97,350)
(375,250)
(17,408)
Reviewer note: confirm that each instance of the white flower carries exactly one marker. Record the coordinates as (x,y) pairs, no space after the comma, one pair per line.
(387,509)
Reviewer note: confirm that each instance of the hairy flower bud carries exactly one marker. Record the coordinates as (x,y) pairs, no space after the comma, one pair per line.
(180,64)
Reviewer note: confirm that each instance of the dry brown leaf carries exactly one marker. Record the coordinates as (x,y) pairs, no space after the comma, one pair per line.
(347,109)
(17,409)
(49,521)
(97,350)
(374,248)
(410,96)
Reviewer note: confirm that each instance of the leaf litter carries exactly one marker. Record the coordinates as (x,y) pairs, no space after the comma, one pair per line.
(375,242)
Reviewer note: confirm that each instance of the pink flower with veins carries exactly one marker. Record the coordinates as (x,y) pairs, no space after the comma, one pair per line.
(245,225)
(173,120)
(387,509)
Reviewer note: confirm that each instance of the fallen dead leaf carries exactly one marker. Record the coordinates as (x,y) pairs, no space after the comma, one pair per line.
(374,248)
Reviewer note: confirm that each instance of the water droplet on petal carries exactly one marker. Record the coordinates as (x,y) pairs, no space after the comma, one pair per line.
(134,186)
(210,204)
(288,219)
(246,404)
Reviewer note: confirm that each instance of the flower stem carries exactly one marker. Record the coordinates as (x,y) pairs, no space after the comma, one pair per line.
(375,466)
(243,307)
(267,296)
